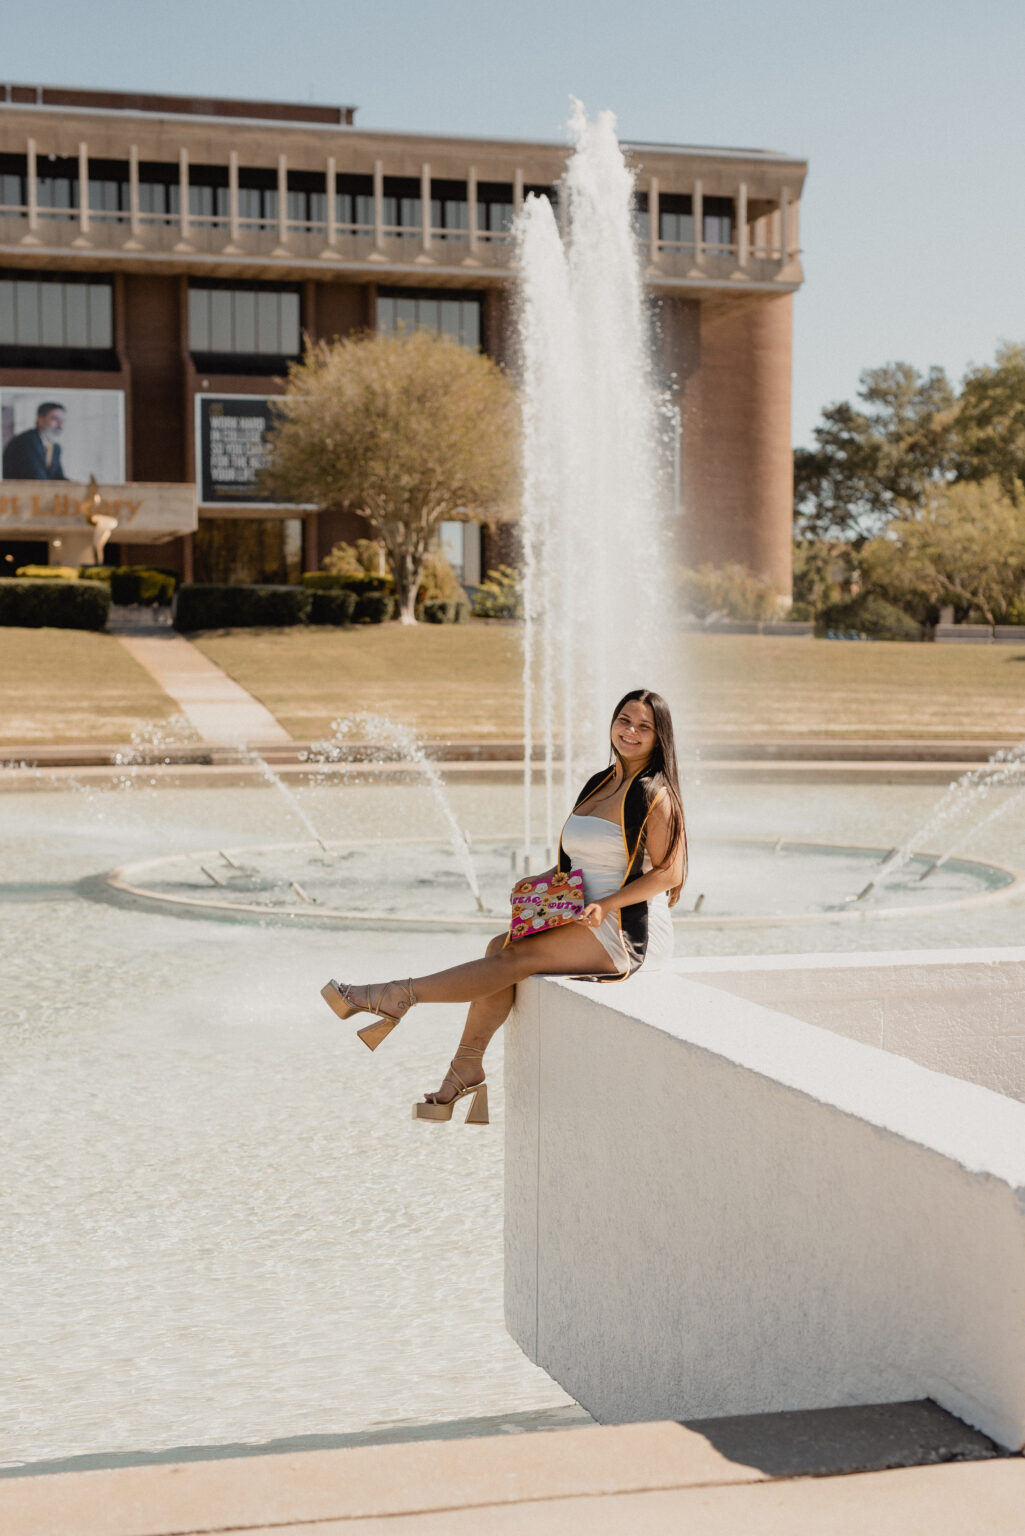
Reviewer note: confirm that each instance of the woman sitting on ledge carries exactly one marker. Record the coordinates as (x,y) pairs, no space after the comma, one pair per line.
(626,834)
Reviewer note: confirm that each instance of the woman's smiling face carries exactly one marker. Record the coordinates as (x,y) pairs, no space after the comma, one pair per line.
(633,733)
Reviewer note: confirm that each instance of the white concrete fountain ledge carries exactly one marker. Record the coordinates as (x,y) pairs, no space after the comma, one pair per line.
(777,1183)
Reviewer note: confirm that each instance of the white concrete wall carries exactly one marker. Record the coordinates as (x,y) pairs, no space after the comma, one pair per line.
(957,1011)
(713,1208)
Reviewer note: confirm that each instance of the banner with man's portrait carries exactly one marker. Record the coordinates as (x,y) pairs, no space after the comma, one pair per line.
(63,434)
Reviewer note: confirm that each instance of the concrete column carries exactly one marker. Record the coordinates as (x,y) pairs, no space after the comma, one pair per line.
(425,207)
(742,242)
(653,240)
(471,208)
(233,224)
(379,205)
(698,209)
(32,186)
(311,551)
(332,199)
(794,222)
(517,191)
(83,187)
(784,224)
(133,191)
(183,194)
(283,199)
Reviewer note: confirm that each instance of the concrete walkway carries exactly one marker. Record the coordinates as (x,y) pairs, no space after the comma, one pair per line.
(221,711)
(903,1469)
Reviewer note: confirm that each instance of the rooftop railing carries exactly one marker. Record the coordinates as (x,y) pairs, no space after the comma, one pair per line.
(328,241)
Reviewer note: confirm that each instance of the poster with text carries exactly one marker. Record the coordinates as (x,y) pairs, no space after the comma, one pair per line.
(63,434)
(233,434)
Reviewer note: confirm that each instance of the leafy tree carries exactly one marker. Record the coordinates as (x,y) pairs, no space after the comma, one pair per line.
(964,546)
(868,461)
(407,430)
(990,423)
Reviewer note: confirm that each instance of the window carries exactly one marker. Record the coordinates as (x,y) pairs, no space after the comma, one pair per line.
(159,196)
(450,212)
(676,219)
(717,219)
(455,315)
(41,312)
(56,184)
(402,207)
(254,322)
(495,210)
(13,184)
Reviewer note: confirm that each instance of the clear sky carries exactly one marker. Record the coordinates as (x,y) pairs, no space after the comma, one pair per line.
(910,112)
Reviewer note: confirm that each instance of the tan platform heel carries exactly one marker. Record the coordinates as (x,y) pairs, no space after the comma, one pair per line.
(339,1000)
(476,1114)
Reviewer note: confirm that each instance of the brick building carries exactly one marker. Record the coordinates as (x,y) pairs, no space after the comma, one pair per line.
(161,257)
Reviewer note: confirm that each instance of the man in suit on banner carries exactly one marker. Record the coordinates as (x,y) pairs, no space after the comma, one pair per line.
(36,454)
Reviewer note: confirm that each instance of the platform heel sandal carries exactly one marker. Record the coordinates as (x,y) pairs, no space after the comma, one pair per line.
(476,1114)
(339,1000)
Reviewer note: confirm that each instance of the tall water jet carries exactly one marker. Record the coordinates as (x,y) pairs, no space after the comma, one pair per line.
(595,534)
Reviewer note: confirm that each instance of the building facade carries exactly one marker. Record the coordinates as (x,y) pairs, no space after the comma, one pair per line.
(161,259)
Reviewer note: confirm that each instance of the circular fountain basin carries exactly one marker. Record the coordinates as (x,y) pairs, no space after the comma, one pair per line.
(415,883)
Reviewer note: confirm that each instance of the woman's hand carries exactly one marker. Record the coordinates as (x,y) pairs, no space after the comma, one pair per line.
(593,915)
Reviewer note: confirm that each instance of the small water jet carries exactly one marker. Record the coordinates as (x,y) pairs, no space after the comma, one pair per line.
(402,741)
(1000,770)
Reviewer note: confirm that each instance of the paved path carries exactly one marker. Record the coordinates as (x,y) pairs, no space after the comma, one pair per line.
(645,1479)
(220,710)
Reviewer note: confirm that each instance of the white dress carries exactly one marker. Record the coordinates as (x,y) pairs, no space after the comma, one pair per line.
(595,846)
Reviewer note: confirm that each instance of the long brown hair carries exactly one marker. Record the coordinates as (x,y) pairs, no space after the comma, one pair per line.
(660,773)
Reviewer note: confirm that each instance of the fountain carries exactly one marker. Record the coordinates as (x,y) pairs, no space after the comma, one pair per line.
(595,536)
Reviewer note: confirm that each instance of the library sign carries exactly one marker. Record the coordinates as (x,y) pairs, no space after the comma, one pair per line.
(137,513)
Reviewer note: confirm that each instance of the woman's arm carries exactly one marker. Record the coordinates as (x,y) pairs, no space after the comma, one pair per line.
(647,886)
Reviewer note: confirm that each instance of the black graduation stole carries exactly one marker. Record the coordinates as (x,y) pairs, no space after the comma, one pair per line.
(633,920)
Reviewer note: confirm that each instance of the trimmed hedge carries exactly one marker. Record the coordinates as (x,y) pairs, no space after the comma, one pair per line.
(227,607)
(333,607)
(141,584)
(374,608)
(444,611)
(363,586)
(96,573)
(47,572)
(32,603)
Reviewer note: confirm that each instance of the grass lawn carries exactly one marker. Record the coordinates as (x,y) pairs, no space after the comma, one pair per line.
(751,686)
(451,682)
(462,683)
(71,685)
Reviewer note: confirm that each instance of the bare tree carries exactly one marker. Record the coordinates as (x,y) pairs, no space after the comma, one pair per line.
(408,431)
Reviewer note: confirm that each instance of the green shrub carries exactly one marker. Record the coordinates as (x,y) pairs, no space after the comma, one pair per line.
(47,572)
(61,604)
(800,613)
(374,608)
(331,581)
(438,612)
(364,558)
(1014,613)
(96,573)
(729,592)
(238,607)
(140,584)
(333,607)
(500,595)
(871,615)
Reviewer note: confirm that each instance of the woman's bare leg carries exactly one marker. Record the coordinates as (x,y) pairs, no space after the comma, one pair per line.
(559,951)
(486,1015)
